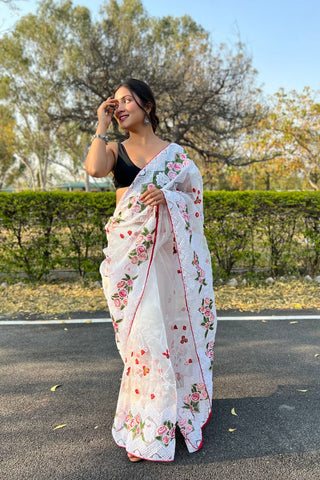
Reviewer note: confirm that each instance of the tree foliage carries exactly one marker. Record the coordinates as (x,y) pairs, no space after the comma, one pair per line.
(58,65)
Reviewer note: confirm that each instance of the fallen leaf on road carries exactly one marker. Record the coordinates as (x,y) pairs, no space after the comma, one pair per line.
(53,389)
(60,426)
(89,321)
(294,321)
(317,355)
(234,412)
(232,429)
(298,306)
(302,390)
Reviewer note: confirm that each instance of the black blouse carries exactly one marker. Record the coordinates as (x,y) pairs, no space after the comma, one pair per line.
(125,170)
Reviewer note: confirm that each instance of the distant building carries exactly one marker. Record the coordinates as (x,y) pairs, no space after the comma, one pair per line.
(106,186)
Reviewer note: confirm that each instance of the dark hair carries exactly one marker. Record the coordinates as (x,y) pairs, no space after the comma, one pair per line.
(143,91)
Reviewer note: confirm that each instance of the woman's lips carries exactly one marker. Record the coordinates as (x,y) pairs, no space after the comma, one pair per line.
(123,117)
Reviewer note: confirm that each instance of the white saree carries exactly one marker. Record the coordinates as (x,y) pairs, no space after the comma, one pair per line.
(158,283)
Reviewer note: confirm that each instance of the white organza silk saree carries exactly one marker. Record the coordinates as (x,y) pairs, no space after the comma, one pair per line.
(158,283)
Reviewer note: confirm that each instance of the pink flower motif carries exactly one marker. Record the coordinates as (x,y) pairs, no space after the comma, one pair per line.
(139,239)
(149,237)
(182,422)
(210,345)
(169,165)
(189,428)
(123,293)
(138,419)
(207,326)
(172,175)
(200,280)
(204,395)
(212,318)
(201,386)
(130,283)
(211,354)
(121,284)
(140,249)
(136,208)
(186,399)
(124,301)
(185,216)
(207,301)
(183,156)
(142,257)
(207,313)
(150,186)
(177,167)
(131,424)
(127,418)
(195,397)
(138,431)
(162,430)
(181,205)
(186,162)
(165,439)
(172,432)
(202,309)
(202,273)
(134,259)
(117,302)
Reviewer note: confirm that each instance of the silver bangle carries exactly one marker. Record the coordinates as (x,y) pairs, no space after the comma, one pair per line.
(103,137)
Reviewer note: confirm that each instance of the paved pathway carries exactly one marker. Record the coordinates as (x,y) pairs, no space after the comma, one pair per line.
(266,370)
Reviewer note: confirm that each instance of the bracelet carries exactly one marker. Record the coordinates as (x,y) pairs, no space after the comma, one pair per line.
(98,135)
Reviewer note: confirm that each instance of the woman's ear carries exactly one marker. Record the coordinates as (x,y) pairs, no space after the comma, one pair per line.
(148,107)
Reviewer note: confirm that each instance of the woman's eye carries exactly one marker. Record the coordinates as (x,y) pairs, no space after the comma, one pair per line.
(128,100)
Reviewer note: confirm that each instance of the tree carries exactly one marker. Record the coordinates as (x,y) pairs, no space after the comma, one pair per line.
(32,83)
(7,145)
(291,132)
(58,66)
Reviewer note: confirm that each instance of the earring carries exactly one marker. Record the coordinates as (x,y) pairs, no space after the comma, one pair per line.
(146,120)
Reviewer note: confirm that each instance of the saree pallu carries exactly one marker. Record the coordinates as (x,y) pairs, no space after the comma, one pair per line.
(158,283)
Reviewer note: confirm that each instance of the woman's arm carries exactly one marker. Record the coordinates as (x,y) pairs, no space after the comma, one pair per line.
(101,158)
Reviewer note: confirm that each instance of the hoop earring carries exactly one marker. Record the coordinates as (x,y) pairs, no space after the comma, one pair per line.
(146,121)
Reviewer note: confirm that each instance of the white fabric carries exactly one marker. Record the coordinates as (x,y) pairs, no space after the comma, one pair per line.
(158,283)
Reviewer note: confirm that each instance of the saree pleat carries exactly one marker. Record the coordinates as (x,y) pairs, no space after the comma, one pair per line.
(157,280)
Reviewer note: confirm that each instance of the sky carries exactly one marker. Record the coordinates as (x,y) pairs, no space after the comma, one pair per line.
(281,36)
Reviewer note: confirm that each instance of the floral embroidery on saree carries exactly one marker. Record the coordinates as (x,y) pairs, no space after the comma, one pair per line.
(158,283)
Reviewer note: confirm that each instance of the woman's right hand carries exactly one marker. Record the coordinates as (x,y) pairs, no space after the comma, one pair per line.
(105,112)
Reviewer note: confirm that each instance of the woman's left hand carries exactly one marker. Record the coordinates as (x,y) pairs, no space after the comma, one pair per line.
(152,197)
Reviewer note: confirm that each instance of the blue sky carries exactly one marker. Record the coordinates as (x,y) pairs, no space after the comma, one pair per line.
(283,37)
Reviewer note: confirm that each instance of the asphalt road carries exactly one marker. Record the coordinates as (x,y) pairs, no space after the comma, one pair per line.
(266,371)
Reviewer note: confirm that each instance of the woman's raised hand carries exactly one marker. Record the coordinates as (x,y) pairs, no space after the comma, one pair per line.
(105,112)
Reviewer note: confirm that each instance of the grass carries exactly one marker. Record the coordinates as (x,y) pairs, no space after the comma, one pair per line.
(57,298)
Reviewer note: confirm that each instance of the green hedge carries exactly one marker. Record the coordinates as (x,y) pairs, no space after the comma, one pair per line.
(277,233)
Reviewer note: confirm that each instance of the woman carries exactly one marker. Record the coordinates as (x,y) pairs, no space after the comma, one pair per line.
(157,280)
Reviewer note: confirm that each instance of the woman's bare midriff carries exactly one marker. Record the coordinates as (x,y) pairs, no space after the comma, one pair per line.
(119,193)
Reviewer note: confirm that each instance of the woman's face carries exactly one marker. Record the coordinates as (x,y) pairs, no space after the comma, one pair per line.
(127,111)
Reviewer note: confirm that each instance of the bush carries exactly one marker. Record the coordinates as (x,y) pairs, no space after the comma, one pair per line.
(249,231)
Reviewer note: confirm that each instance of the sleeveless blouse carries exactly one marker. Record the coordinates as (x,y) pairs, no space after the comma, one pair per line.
(125,170)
